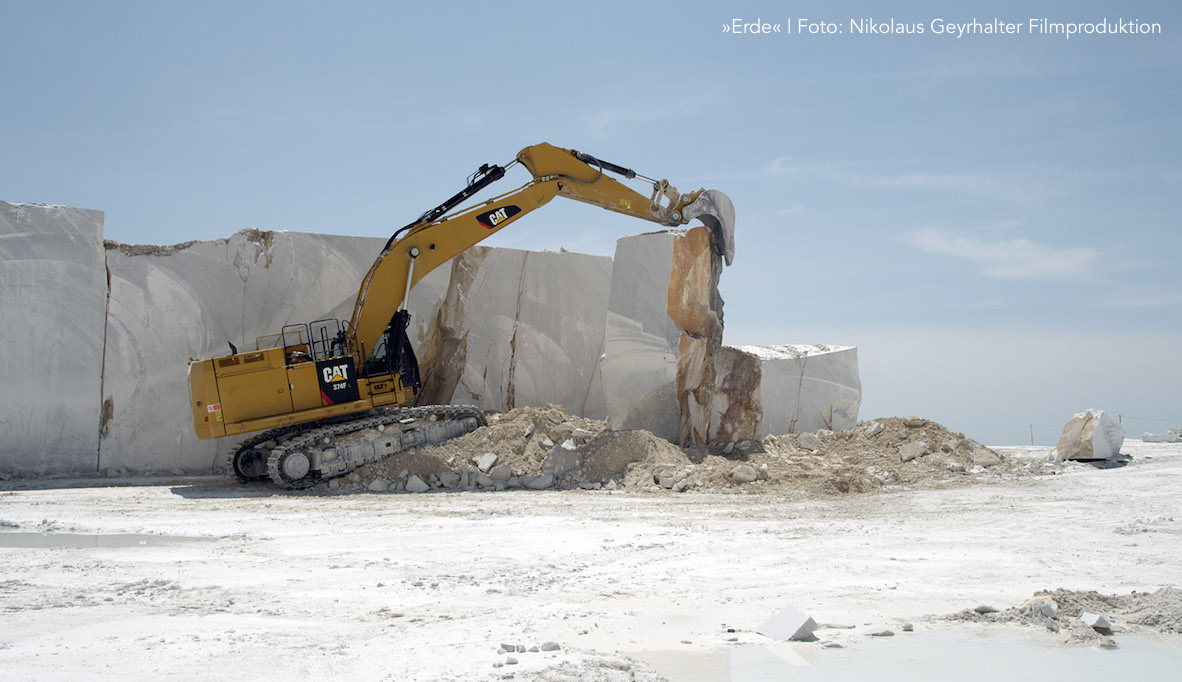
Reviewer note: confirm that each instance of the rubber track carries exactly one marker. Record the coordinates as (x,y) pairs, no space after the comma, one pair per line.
(367,420)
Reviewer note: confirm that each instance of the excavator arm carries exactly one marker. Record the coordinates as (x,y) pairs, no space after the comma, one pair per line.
(315,403)
(439,234)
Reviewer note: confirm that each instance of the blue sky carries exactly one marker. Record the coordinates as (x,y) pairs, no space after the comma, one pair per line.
(992,220)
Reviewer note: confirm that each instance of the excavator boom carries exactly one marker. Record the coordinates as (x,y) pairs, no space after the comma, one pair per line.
(437,236)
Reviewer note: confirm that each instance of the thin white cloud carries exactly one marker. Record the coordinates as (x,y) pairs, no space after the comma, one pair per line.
(1010,258)
(983,185)
(603,121)
(1134,300)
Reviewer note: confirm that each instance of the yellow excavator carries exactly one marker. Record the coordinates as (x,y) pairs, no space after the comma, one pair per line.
(328,396)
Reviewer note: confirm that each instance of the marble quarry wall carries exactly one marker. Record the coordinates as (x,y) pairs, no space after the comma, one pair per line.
(96,336)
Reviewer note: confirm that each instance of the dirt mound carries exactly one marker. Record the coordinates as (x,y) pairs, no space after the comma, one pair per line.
(544,447)
(1061,610)
(519,439)
(613,455)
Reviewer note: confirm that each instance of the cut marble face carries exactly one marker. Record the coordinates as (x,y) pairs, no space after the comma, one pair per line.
(53,294)
(804,388)
(514,328)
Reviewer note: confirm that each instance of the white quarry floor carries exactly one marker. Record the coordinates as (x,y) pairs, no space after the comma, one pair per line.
(285,586)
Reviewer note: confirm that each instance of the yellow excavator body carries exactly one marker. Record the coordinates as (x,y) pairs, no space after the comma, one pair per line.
(302,388)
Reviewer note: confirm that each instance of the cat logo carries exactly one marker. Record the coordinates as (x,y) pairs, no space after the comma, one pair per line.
(496,216)
(337,382)
(335,374)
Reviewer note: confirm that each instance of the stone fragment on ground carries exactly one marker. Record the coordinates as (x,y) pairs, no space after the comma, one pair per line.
(790,624)
(538,482)
(414,484)
(744,474)
(910,451)
(561,460)
(1096,622)
(809,441)
(485,461)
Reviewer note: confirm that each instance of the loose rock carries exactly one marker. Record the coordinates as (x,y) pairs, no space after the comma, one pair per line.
(484,462)
(743,474)
(537,482)
(809,441)
(911,451)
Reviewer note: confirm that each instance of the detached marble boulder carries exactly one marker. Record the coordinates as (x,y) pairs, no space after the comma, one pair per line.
(1091,435)
(53,301)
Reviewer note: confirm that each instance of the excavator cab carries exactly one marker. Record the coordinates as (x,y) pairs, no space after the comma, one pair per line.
(394,357)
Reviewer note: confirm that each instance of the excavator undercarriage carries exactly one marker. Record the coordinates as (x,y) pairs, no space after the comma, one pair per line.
(303,455)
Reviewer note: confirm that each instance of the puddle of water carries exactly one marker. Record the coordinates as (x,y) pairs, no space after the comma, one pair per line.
(83,541)
(964,657)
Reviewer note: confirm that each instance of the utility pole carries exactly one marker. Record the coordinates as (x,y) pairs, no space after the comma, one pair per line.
(1032,434)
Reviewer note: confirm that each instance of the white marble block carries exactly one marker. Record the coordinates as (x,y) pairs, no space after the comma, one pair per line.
(804,388)
(513,328)
(53,297)
(639,364)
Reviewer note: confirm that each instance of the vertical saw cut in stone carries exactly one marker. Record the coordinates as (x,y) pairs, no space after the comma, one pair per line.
(53,299)
(1091,435)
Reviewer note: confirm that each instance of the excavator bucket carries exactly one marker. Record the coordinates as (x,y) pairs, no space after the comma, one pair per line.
(717,212)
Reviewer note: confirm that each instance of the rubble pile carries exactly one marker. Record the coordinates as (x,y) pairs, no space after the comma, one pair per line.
(1088,616)
(542,448)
